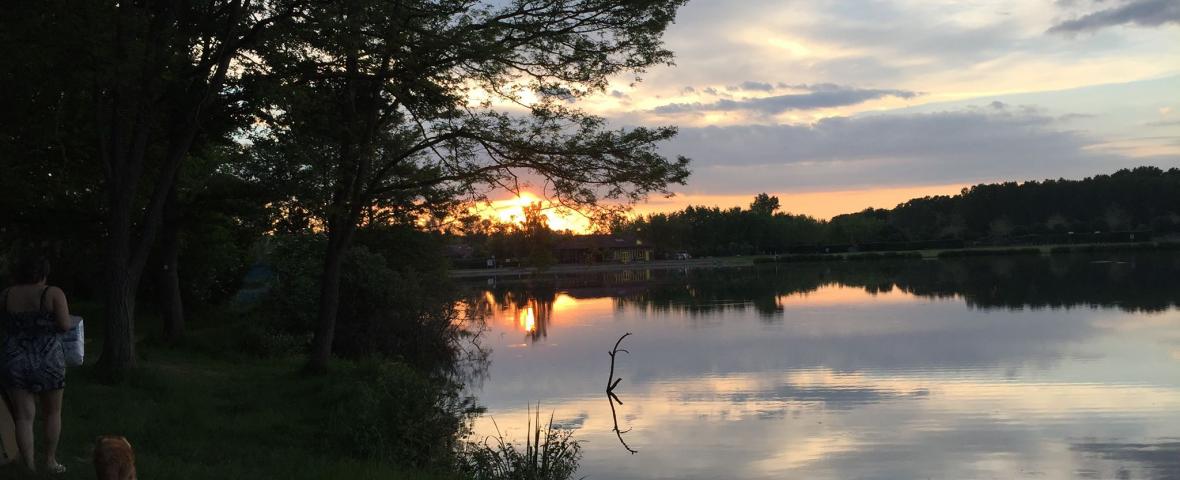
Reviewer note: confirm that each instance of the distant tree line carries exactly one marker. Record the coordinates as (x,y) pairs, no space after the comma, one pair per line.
(1144,199)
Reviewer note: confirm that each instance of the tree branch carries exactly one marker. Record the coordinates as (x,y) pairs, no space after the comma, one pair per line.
(611,398)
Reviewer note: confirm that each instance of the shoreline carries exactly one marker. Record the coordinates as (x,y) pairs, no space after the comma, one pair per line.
(605,267)
(749,261)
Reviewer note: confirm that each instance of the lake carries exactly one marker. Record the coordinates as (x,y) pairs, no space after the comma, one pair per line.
(1063,366)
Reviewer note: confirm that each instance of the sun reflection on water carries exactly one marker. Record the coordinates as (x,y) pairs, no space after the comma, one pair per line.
(527,319)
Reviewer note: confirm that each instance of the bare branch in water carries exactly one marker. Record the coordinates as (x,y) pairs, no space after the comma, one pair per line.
(611,398)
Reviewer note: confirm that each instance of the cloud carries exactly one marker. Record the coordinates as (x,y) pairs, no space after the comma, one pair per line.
(1144,13)
(833,397)
(1163,123)
(1075,116)
(821,96)
(751,86)
(960,146)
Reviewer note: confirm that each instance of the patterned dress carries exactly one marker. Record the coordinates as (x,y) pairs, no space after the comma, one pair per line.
(32,355)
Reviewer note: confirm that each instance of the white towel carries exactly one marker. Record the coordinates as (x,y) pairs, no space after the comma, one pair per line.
(73,343)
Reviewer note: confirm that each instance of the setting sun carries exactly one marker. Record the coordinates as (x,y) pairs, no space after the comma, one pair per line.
(511,210)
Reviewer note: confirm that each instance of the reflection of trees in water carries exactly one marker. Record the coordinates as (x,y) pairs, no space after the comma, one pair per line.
(1137,282)
(1132,282)
(1159,459)
(530,306)
(1148,282)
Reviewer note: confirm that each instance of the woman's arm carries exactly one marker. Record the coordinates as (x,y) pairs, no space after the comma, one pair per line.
(61,309)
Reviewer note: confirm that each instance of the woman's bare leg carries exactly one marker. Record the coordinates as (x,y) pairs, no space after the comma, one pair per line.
(7,432)
(24,410)
(51,408)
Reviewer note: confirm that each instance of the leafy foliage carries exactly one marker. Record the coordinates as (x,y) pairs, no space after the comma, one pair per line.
(375,112)
(549,453)
(396,300)
(392,412)
(388,112)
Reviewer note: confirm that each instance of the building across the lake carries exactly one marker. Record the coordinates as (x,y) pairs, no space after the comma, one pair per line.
(602,249)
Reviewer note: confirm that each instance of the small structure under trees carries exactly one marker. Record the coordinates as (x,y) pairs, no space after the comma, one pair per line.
(602,249)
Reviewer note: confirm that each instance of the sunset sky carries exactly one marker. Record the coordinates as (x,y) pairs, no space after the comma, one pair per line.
(835,106)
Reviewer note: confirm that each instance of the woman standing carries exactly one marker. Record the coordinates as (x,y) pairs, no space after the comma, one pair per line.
(33,316)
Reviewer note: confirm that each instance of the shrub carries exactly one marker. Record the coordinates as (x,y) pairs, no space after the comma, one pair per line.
(396,301)
(393,413)
(269,342)
(549,454)
(290,305)
(213,263)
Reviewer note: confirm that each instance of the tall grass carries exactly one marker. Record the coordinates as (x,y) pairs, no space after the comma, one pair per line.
(549,453)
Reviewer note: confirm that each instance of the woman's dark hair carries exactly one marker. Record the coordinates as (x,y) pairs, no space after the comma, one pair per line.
(31,269)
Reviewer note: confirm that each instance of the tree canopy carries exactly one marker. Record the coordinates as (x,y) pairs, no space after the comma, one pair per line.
(340,114)
(389,111)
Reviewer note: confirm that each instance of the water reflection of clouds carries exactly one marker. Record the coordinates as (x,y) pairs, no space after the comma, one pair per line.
(929,423)
(1133,460)
(1161,327)
(856,382)
(921,334)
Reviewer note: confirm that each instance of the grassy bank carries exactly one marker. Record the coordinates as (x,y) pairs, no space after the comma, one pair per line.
(190,415)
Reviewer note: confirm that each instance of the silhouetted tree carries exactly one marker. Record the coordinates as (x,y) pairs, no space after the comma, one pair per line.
(393,110)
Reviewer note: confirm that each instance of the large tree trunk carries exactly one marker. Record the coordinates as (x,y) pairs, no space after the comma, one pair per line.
(347,201)
(131,90)
(129,247)
(118,354)
(321,345)
(171,304)
(118,347)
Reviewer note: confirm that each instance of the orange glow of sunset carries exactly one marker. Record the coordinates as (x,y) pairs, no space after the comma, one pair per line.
(511,210)
(564,303)
(819,204)
(512,316)
(829,295)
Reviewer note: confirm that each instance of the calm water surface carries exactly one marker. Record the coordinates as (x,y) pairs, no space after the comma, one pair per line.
(1034,367)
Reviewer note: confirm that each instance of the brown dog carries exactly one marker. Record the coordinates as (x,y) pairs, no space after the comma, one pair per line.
(114,459)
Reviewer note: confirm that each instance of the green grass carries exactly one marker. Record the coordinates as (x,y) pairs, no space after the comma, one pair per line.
(190,415)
